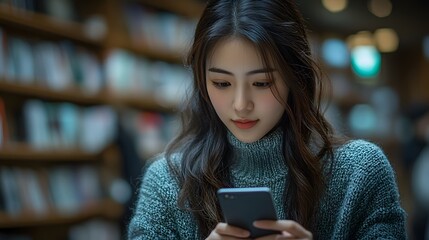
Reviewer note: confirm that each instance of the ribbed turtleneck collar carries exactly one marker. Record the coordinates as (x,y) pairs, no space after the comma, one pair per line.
(260,159)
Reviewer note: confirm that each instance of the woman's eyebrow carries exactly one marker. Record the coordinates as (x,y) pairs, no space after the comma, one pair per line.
(257,71)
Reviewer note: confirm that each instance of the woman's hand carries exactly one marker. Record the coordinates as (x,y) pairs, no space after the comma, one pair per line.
(224,231)
(289,229)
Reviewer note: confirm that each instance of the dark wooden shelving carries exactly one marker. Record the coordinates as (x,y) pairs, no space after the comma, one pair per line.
(24,152)
(189,8)
(77,96)
(158,54)
(105,208)
(38,91)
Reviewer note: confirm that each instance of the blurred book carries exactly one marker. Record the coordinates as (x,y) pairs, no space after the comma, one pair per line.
(20,60)
(97,128)
(85,67)
(162,30)
(61,9)
(63,189)
(36,124)
(68,124)
(4,131)
(95,229)
(10,194)
(88,184)
(2,53)
(54,68)
(33,198)
(119,65)
(93,78)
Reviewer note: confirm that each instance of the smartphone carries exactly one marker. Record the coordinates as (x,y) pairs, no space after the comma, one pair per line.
(242,206)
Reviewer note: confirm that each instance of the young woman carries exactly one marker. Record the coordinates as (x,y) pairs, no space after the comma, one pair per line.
(253,119)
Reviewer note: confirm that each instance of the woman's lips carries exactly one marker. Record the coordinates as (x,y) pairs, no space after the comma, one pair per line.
(245,124)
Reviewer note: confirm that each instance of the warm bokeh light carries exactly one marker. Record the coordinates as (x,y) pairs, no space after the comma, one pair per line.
(386,39)
(362,38)
(335,5)
(380,8)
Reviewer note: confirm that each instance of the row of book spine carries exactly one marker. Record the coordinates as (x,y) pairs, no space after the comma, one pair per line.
(41,191)
(62,125)
(50,125)
(63,9)
(87,230)
(63,65)
(160,30)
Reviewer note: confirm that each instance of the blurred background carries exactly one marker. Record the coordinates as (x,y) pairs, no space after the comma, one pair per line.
(89,90)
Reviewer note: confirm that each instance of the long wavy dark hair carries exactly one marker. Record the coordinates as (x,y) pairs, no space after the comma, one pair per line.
(277,30)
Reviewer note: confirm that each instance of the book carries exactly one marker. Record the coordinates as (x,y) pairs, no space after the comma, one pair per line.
(92,76)
(21,61)
(4,131)
(63,190)
(88,184)
(61,9)
(98,128)
(30,191)
(38,200)
(118,69)
(95,229)
(36,124)
(2,53)
(53,66)
(43,178)
(12,201)
(68,117)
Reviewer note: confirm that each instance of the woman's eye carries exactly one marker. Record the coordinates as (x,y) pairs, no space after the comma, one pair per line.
(262,84)
(221,84)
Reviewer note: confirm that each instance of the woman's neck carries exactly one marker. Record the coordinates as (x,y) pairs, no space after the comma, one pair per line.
(263,157)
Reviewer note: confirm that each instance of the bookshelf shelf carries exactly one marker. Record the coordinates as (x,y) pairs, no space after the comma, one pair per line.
(37,91)
(106,209)
(148,52)
(23,152)
(189,8)
(43,24)
(75,95)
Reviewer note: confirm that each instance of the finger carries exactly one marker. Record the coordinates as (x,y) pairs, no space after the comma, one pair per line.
(283,235)
(229,230)
(289,226)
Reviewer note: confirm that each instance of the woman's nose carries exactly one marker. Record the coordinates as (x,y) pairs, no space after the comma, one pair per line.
(242,101)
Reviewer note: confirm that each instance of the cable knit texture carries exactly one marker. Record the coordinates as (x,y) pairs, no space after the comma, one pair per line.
(361,199)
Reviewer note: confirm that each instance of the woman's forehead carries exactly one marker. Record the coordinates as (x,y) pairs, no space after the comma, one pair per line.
(233,49)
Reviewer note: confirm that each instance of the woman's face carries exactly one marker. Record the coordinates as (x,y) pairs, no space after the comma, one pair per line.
(239,87)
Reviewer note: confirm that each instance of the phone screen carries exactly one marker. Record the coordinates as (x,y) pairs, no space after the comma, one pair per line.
(242,206)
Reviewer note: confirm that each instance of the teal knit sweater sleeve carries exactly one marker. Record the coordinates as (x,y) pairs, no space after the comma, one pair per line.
(153,217)
(362,200)
(380,197)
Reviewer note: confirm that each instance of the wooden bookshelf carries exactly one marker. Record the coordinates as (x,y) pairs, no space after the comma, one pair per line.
(35,28)
(106,208)
(45,25)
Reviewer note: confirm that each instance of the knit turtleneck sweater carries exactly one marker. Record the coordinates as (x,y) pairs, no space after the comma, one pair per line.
(361,200)
(260,164)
